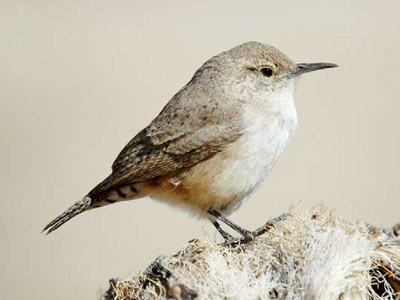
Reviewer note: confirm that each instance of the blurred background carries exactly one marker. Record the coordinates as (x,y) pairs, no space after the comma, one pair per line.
(78,79)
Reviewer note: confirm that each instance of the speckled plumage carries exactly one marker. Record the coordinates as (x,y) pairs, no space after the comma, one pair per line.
(214,142)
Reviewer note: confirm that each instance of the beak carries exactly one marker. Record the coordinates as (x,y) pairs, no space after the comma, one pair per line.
(305,68)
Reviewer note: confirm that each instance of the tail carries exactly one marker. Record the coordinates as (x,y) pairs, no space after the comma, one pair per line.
(67,215)
(96,198)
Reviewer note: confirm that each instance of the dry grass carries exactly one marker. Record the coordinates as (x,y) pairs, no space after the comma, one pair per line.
(314,255)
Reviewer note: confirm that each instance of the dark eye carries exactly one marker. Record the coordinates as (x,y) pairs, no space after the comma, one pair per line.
(267,72)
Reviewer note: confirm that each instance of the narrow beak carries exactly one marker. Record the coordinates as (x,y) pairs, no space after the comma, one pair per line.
(305,68)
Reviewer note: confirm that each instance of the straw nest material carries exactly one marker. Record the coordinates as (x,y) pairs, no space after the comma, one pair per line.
(314,255)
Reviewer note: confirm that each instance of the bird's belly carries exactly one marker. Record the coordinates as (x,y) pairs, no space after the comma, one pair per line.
(246,166)
(227,179)
(224,181)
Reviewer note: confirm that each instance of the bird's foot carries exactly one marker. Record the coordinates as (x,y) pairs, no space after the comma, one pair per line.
(270,224)
(233,242)
(249,236)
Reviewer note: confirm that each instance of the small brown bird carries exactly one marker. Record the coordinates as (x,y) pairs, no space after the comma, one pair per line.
(215,141)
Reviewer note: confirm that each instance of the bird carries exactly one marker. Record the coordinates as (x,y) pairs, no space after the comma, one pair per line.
(215,141)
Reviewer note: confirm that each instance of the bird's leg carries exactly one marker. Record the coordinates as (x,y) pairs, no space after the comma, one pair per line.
(270,224)
(247,235)
(227,237)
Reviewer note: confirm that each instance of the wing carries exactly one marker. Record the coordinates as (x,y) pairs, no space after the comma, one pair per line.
(191,128)
(145,160)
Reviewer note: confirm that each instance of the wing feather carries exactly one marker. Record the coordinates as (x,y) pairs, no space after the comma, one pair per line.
(183,134)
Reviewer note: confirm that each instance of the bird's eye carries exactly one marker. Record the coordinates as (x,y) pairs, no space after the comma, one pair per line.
(267,72)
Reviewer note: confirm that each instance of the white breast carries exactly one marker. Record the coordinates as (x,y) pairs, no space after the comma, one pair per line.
(267,129)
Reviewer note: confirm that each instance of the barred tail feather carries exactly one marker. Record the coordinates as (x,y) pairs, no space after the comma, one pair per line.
(67,215)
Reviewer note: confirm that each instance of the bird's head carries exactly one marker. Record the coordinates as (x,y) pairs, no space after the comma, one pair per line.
(257,69)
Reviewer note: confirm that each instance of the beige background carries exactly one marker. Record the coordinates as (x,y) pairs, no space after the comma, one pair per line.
(79,78)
